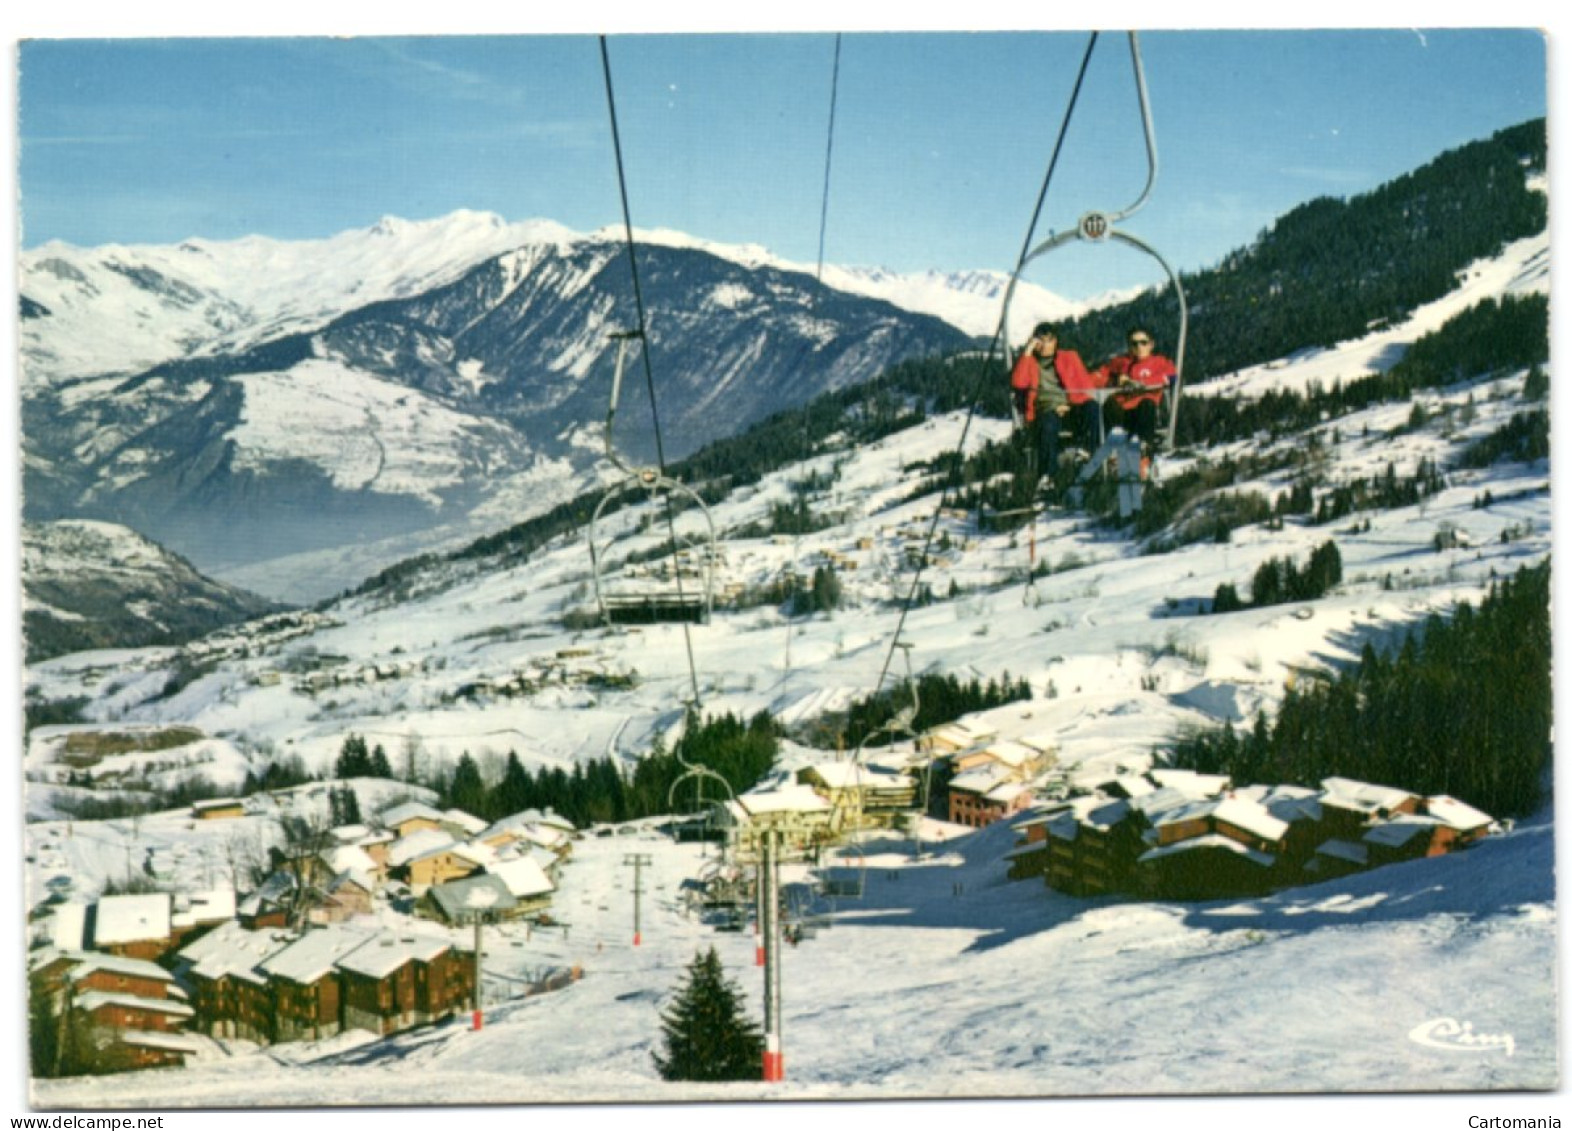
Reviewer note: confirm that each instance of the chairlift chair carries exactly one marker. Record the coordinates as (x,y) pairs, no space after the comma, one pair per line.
(648,604)
(1099,228)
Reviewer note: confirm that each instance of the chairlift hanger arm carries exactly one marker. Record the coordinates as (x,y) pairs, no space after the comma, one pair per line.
(1147,130)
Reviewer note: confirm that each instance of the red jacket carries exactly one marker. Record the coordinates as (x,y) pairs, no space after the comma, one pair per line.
(1070,369)
(1152,375)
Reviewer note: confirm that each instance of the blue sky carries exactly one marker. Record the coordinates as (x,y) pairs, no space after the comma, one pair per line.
(940,144)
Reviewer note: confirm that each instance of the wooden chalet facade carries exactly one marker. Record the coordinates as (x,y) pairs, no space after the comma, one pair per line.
(1182,841)
(219,809)
(121,1013)
(395,983)
(269,986)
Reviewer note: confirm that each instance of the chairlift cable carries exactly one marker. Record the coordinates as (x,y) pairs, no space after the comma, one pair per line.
(818,276)
(1000,335)
(644,352)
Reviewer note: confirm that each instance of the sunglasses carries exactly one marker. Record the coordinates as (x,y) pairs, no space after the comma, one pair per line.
(1140,341)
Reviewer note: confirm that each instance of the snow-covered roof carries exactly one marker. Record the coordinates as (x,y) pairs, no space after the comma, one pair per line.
(981,780)
(230,949)
(154,1039)
(347,879)
(851,775)
(1345,850)
(1210,841)
(386,952)
(351,834)
(478,854)
(1040,743)
(114,964)
(1191,783)
(68,930)
(461,900)
(787,799)
(1450,811)
(314,954)
(217,803)
(1250,816)
(1350,794)
(131,918)
(1012,753)
(1026,849)
(212,906)
(523,876)
(960,733)
(1159,802)
(420,843)
(274,889)
(95,999)
(469,823)
(349,858)
(408,811)
(1285,802)
(1006,792)
(1400,830)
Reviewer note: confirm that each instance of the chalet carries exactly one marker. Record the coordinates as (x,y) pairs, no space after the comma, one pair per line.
(1092,845)
(440,865)
(527,882)
(874,793)
(107,973)
(228,990)
(1029,857)
(1207,866)
(1190,783)
(306,987)
(395,982)
(987,794)
(197,910)
(271,905)
(797,816)
(1349,806)
(1021,760)
(218,809)
(950,738)
(484,898)
(1461,825)
(1335,857)
(416,844)
(353,858)
(1404,837)
(462,825)
(133,926)
(346,896)
(410,817)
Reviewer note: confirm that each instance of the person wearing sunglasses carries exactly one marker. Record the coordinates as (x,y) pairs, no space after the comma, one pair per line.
(1141,376)
(1053,384)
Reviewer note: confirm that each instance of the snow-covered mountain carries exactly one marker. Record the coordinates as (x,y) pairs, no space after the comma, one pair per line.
(95,585)
(944,978)
(256,400)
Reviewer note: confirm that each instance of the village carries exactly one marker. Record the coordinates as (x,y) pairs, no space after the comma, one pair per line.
(376,926)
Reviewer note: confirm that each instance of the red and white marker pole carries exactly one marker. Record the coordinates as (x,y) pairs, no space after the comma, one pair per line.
(774,1058)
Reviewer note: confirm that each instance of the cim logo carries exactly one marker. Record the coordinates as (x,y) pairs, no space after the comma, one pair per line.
(1459,1036)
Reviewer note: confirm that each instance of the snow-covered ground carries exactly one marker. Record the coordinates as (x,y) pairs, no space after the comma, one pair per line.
(944,979)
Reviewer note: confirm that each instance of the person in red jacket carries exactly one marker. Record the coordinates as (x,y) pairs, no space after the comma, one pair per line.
(1053,384)
(1141,376)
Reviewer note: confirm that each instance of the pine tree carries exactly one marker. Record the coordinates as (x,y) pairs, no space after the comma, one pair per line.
(708,1036)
